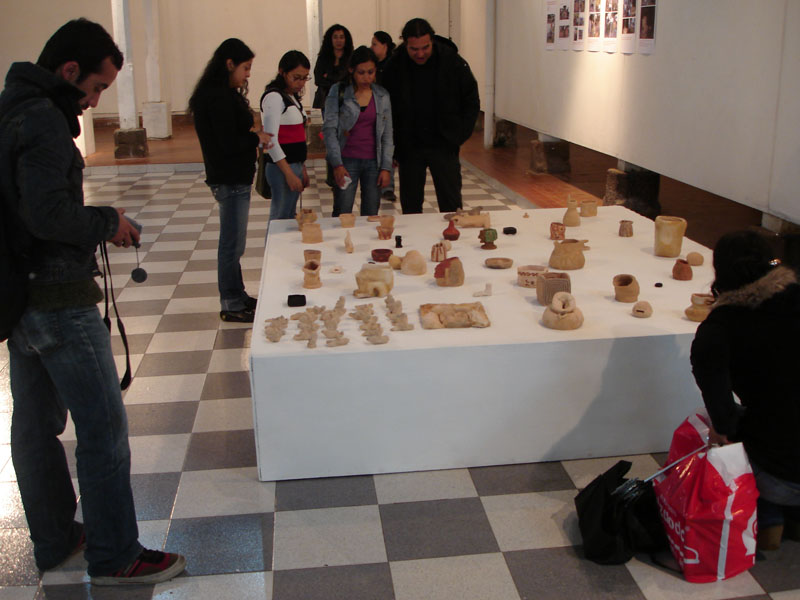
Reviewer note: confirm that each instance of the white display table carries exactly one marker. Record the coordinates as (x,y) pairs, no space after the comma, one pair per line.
(514,392)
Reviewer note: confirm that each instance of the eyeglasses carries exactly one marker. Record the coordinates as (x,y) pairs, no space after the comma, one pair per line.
(301,78)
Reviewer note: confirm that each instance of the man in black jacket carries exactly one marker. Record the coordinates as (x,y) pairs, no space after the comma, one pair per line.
(60,350)
(434,107)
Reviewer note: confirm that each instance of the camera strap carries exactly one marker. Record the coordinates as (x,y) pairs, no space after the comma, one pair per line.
(108,285)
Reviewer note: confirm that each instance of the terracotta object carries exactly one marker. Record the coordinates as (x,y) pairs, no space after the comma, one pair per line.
(669,236)
(373,218)
(312,255)
(451,233)
(381,255)
(568,255)
(626,288)
(499,263)
(306,215)
(312,233)
(413,263)
(548,284)
(589,208)
(348,243)
(486,291)
(374,281)
(440,316)
(439,252)
(682,270)
(386,220)
(562,313)
(488,237)
(527,274)
(449,273)
(625,228)
(347,219)
(311,280)
(695,259)
(642,310)
(557,231)
(384,233)
(395,262)
(700,307)
(472,220)
(571,217)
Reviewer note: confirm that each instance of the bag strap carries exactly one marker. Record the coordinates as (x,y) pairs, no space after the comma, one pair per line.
(108,284)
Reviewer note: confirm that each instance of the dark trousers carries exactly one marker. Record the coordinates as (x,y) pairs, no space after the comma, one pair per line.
(445,170)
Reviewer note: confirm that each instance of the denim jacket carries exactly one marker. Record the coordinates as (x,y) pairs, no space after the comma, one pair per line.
(41,171)
(338,124)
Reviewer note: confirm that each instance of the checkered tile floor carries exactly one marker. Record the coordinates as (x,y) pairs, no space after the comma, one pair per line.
(496,533)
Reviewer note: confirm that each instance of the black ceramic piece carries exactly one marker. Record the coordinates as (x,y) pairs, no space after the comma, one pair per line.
(296,300)
(398,241)
(510,230)
(659,284)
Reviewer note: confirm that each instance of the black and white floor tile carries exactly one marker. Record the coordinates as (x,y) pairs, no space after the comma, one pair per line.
(498,533)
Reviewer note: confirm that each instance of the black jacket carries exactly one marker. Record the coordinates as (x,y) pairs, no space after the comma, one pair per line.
(750,345)
(456,97)
(41,175)
(223,122)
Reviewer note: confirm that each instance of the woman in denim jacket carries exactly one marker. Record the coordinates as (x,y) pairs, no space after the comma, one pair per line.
(358,135)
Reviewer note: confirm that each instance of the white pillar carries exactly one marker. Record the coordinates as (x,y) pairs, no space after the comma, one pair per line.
(126,96)
(488,89)
(314,31)
(156,115)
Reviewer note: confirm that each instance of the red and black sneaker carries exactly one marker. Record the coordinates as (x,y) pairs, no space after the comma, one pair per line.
(151,566)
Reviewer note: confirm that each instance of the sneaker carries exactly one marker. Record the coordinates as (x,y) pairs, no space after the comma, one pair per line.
(389,195)
(250,303)
(237,316)
(151,566)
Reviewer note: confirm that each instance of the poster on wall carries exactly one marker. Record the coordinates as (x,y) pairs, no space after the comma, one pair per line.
(627,38)
(562,41)
(647,27)
(550,32)
(610,26)
(579,24)
(594,40)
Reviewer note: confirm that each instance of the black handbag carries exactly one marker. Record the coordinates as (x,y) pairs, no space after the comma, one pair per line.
(262,185)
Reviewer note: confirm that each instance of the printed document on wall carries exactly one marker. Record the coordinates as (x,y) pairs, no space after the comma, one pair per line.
(594,37)
(563,39)
(627,38)
(579,24)
(611,26)
(550,32)
(647,27)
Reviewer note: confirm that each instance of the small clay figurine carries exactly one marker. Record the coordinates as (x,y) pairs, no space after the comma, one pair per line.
(312,233)
(626,288)
(348,243)
(562,313)
(486,291)
(449,273)
(488,237)
(642,309)
(401,323)
(398,241)
(700,307)
(439,252)
(571,217)
(557,231)
(682,271)
(451,233)
(625,228)
(413,263)
(695,259)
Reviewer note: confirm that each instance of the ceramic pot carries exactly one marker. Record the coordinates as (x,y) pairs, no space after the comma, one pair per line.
(700,307)
(557,231)
(347,219)
(381,255)
(451,233)
(312,233)
(568,255)
(438,252)
(669,236)
(562,313)
(571,217)
(384,233)
(387,220)
(315,255)
(625,228)
(306,215)
(695,259)
(526,275)
(548,284)
(589,208)
(682,271)
(626,288)
(311,280)
(498,263)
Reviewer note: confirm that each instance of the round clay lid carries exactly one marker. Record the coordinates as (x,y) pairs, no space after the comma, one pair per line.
(498,263)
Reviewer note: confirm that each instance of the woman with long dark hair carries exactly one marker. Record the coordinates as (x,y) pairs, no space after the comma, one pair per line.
(358,135)
(383,46)
(282,113)
(228,140)
(332,60)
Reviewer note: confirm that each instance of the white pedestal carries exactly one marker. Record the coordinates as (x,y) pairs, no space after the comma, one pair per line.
(85,141)
(157,120)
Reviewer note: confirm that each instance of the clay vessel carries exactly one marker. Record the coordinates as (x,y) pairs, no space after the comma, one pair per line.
(557,231)
(562,313)
(669,236)
(549,284)
(381,254)
(589,208)
(347,219)
(384,233)
(626,288)
(312,255)
(306,215)
(568,255)
(526,275)
(451,233)
(571,217)
(700,307)
(499,263)
(449,273)
(312,233)
(311,278)
(642,310)
(625,228)
(682,270)
(387,221)
(695,259)
(439,252)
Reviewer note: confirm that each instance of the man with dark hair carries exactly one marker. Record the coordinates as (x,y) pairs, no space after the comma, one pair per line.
(434,107)
(60,350)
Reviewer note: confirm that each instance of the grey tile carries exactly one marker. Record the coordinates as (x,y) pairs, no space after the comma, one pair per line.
(16,560)
(221,450)
(228,339)
(228,544)
(183,236)
(206,245)
(201,265)
(188,322)
(137,342)
(196,290)
(168,255)
(780,570)
(233,384)
(558,573)
(157,279)
(141,308)
(174,363)
(161,419)
(85,591)
(211,227)
(353,582)
(302,494)
(154,494)
(520,479)
(436,528)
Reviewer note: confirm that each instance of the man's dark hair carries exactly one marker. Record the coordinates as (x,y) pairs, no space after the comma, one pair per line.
(417,28)
(83,41)
(740,257)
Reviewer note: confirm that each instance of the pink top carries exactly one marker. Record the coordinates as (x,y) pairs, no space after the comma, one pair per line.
(361,141)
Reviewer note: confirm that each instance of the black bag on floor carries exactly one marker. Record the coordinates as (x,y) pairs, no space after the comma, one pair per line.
(616,526)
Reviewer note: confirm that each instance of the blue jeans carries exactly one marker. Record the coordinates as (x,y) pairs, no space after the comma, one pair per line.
(234,209)
(777,498)
(284,201)
(61,360)
(364,170)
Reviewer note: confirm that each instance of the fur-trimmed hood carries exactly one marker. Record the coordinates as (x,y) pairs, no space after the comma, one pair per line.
(756,293)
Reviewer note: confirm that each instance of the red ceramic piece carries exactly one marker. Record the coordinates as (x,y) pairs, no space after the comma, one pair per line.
(451,233)
(381,254)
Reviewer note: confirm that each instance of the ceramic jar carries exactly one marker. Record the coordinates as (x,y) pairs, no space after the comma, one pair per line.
(589,208)
(669,236)
(567,255)
(700,307)
(557,231)
(625,228)
(527,274)
(312,233)
(562,313)
(626,288)
(315,255)
(347,219)
(682,271)
(384,233)
(571,217)
(311,278)
(386,220)
(306,215)
(451,233)
(381,255)
(548,284)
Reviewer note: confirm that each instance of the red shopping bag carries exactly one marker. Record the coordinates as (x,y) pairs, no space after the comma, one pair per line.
(708,506)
